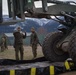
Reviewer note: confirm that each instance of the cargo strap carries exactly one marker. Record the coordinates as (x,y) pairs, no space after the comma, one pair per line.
(52,71)
(33,71)
(12,72)
(67,65)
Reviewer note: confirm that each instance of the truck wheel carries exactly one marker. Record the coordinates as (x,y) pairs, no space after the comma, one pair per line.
(72,47)
(50,51)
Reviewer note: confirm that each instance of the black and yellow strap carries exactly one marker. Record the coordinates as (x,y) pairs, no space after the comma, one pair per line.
(52,70)
(67,65)
(12,72)
(33,71)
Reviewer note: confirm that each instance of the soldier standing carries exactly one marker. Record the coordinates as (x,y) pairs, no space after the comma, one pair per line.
(34,41)
(18,43)
(5,44)
(2,44)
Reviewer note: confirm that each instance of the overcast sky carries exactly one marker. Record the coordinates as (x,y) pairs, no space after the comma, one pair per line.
(5,8)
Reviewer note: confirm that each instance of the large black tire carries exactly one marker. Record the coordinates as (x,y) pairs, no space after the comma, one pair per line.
(72,47)
(50,51)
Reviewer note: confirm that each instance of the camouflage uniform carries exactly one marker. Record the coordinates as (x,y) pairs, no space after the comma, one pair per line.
(34,42)
(5,44)
(2,44)
(18,44)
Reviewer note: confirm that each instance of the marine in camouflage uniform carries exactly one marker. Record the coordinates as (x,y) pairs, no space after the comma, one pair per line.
(5,44)
(34,41)
(18,43)
(2,44)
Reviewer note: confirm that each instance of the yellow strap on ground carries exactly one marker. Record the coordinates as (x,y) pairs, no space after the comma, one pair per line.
(52,70)
(12,72)
(33,71)
(67,65)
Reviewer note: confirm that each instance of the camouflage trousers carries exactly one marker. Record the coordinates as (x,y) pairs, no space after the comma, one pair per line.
(34,50)
(19,49)
(2,48)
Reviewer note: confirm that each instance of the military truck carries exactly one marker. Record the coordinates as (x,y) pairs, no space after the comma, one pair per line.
(59,45)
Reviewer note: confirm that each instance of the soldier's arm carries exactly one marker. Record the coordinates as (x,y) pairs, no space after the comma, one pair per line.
(37,39)
(31,39)
(24,36)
